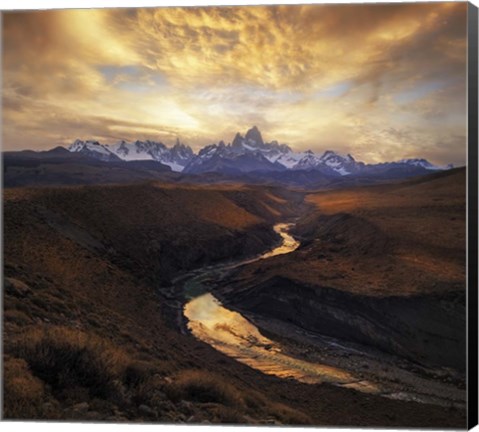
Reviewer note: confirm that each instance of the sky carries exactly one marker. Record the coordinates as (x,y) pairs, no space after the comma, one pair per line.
(380,81)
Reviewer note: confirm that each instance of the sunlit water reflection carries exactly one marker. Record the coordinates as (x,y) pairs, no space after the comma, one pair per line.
(232,334)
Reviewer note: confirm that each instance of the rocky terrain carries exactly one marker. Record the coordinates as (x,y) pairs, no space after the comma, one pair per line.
(88,330)
(377,267)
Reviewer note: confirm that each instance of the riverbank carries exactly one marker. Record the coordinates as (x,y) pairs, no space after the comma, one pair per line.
(278,347)
(350,293)
(96,263)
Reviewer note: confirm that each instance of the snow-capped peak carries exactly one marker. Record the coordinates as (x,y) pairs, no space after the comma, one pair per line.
(246,153)
(332,158)
(308,160)
(93,149)
(424,164)
(177,157)
(329,162)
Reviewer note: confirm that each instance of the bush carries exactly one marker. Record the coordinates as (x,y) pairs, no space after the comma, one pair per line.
(67,358)
(23,393)
(202,386)
(137,372)
(17,317)
(288,415)
(227,415)
(150,392)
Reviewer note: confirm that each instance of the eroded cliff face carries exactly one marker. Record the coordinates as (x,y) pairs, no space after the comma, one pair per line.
(383,266)
(428,329)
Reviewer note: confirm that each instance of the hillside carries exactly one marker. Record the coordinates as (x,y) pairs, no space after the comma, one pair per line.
(88,332)
(382,266)
(84,269)
(392,239)
(384,239)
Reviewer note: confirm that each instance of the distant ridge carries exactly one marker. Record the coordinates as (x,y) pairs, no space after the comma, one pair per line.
(247,154)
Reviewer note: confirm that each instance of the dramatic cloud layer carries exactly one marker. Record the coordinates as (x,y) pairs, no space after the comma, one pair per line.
(379,81)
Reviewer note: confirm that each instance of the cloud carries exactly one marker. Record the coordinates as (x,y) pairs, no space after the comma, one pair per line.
(315,76)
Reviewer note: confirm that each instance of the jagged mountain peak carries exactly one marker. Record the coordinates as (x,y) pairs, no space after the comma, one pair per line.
(237,140)
(331,153)
(176,157)
(93,149)
(254,136)
(245,153)
(182,146)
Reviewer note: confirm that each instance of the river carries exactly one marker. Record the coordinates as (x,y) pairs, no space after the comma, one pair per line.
(232,334)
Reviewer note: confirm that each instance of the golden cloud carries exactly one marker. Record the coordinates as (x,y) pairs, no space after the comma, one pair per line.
(316,76)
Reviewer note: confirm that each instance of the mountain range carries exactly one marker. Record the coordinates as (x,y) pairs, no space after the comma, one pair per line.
(245,155)
(176,157)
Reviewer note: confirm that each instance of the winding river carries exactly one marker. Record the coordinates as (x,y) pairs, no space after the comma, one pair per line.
(232,334)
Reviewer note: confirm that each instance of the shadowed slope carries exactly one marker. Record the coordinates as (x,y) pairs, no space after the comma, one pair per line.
(381,265)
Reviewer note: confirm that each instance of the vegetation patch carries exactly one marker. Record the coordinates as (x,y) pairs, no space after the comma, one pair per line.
(66,358)
(204,386)
(23,393)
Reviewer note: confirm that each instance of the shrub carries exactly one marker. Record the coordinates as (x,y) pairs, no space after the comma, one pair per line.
(150,392)
(17,317)
(202,386)
(259,405)
(288,415)
(227,415)
(23,393)
(66,358)
(137,372)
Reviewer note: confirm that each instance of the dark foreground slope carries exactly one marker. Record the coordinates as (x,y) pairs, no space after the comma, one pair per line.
(83,268)
(383,266)
(85,334)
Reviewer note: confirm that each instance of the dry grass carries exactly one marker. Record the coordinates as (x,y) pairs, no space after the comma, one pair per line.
(397,239)
(67,358)
(17,317)
(417,229)
(204,386)
(289,415)
(94,259)
(230,404)
(80,367)
(23,393)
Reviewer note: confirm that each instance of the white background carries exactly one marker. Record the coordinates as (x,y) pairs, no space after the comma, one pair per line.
(56,4)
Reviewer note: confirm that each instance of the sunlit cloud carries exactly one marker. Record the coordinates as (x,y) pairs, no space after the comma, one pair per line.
(378,81)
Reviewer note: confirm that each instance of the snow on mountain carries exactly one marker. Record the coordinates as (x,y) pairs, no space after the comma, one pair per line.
(329,162)
(93,149)
(309,160)
(289,159)
(250,152)
(424,164)
(176,157)
(138,150)
(246,154)
(343,165)
(253,141)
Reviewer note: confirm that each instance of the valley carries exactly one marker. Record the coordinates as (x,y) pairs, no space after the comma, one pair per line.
(110,263)
(229,332)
